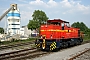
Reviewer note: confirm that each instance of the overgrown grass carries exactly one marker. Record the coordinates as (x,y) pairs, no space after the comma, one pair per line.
(16,41)
(85,38)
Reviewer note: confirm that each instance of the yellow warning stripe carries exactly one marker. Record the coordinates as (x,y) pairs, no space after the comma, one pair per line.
(43,44)
(53,46)
(37,45)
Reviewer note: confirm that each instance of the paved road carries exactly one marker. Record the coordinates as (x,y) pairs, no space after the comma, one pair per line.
(65,54)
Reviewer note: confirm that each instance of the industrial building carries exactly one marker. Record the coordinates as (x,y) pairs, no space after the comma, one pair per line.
(13,20)
(13,24)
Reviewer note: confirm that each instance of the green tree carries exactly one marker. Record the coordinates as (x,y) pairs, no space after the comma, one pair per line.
(1,30)
(39,17)
(83,28)
(33,24)
(80,25)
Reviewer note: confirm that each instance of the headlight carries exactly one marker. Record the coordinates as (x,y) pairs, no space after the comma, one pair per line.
(41,36)
(51,36)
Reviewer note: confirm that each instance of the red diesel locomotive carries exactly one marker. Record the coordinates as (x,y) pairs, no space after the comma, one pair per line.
(57,34)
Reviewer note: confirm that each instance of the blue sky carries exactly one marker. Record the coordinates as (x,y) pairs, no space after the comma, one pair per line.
(68,10)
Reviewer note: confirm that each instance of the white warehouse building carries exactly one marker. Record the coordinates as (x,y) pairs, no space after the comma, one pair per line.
(28,32)
(13,20)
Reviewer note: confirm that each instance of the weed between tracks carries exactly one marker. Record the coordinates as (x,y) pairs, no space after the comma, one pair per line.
(16,41)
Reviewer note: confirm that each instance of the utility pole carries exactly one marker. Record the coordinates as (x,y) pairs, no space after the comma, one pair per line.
(5,27)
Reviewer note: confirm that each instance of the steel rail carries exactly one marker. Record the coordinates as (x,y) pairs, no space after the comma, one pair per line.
(72,58)
(16,53)
(15,45)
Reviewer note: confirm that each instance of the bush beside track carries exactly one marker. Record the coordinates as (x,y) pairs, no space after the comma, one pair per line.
(86,37)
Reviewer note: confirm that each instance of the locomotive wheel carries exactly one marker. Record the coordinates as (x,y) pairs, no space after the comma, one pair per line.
(65,44)
(76,43)
(79,43)
(81,40)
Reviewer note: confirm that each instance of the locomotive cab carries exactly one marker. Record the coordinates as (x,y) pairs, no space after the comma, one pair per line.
(57,34)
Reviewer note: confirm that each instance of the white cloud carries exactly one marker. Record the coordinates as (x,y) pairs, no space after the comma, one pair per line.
(74,6)
(83,9)
(66,3)
(56,9)
(37,2)
(66,9)
(52,3)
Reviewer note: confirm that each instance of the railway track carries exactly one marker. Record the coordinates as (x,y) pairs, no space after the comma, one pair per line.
(66,54)
(22,54)
(15,45)
(79,54)
(23,44)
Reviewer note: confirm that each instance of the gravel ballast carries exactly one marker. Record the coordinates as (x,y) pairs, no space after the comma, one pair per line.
(65,53)
(85,56)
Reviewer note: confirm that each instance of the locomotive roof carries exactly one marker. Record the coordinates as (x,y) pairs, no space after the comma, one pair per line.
(57,20)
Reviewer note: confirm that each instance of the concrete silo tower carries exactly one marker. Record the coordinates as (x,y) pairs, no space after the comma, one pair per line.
(13,20)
